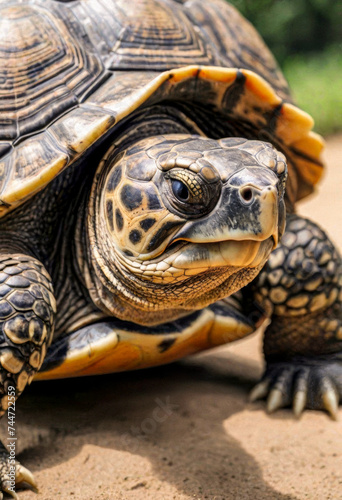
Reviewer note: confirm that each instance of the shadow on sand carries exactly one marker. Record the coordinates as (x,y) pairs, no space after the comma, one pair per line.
(172,415)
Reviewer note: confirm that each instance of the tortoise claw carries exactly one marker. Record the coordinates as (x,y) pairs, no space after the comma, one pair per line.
(330,401)
(260,391)
(300,392)
(302,383)
(275,400)
(24,476)
(5,488)
(299,402)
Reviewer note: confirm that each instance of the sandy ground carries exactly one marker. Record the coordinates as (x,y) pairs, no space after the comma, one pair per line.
(184,431)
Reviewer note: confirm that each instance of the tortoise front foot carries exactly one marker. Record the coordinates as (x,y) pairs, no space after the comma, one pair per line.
(302,383)
(27,311)
(9,482)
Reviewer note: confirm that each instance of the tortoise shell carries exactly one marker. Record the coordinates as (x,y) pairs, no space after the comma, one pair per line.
(71,71)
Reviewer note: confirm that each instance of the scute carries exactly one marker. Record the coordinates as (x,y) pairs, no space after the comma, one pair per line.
(71,71)
(44,66)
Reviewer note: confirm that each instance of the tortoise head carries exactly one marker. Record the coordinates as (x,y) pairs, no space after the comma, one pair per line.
(176,222)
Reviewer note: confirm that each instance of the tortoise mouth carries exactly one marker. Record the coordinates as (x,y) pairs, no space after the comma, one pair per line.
(183,260)
(227,253)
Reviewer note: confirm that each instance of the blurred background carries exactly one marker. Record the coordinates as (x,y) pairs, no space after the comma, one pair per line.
(306,38)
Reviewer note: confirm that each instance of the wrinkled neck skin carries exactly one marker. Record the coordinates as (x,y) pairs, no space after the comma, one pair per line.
(117,289)
(141,288)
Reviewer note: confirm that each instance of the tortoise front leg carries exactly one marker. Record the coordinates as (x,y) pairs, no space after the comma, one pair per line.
(301,289)
(27,310)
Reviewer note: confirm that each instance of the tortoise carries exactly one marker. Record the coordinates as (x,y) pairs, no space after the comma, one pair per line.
(151,154)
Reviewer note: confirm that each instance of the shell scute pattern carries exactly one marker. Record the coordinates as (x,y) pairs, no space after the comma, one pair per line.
(67,84)
(44,72)
(77,131)
(146,34)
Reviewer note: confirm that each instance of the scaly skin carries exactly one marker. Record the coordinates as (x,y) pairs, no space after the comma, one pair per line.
(300,288)
(27,312)
(191,252)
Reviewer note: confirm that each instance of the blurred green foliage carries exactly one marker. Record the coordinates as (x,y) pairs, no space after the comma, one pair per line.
(306,38)
(295,26)
(316,84)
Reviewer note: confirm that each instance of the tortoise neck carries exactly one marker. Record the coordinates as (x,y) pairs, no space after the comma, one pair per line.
(109,288)
(153,121)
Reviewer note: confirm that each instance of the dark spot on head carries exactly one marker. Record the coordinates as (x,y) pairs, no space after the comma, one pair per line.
(114,178)
(128,253)
(109,213)
(131,197)
(135,236)
(119,220)
(161,235)
(166,344)
(153,200)
(147,223)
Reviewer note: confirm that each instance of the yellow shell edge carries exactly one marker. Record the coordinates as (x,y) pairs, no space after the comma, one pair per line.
(123,350)
(293,128)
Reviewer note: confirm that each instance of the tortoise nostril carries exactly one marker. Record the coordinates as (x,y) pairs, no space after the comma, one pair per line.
(246,194)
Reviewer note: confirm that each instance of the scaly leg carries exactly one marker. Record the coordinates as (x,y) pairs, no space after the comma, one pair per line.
(27,310)
(300,288)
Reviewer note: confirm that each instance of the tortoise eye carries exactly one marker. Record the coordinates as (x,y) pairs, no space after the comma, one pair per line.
(187,187)
(180,190)
(188,193)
